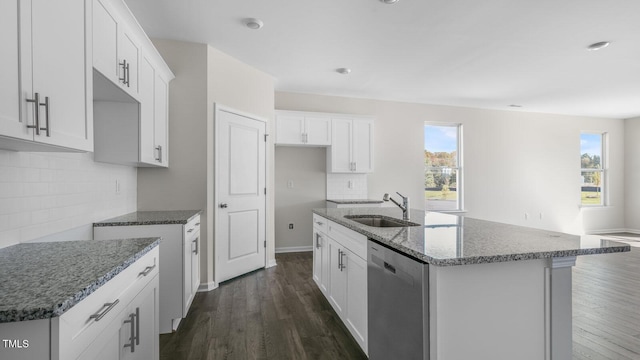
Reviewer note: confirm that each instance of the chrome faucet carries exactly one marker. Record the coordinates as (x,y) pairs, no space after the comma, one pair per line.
(404,207)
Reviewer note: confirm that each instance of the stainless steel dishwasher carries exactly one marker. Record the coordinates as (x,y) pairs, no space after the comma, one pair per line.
(398,300)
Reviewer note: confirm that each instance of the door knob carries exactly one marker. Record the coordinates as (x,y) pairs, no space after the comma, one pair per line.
(223,205)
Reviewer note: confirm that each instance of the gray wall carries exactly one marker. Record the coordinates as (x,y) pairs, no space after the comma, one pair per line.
(204,76)
(306,169)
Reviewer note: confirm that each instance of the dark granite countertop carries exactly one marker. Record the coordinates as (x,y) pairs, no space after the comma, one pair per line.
(43,280)
(448,239)
(355,201)
(151,218)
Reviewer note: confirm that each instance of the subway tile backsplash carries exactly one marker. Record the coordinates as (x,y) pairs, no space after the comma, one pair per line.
(46,193)
(346,186)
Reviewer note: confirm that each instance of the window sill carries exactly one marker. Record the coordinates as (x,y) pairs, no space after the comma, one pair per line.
(448,211)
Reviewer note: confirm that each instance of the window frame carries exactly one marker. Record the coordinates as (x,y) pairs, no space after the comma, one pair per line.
(603,170)
(458,169)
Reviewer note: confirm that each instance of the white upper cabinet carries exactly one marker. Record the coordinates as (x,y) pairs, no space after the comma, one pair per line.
(116,51)
(105,41)
(299,128)
(130,90)
(10,122)
(161,121)
(351,145)
(53,104)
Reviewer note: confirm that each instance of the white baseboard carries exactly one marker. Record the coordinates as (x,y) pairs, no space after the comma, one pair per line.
(271,263)
(207,286)
(291,249)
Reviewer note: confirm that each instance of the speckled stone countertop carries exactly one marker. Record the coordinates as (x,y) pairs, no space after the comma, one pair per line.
(355,201)
(151,218)
(447,239)
(43,280)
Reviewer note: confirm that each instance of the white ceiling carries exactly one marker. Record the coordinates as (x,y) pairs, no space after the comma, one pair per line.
(482,54)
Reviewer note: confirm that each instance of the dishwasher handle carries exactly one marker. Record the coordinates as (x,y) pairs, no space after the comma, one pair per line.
(391,269)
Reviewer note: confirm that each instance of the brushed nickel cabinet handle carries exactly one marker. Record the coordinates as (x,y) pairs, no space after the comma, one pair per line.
(195,241)
(159,158)
(132,338)
(46,116)
(147,270)
(36,114)
(124,72)
(107,307)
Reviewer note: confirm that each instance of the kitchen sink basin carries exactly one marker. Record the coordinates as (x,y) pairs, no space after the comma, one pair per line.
(380,221)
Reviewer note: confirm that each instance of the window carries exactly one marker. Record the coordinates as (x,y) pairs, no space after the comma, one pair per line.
(593,169)
(443,167)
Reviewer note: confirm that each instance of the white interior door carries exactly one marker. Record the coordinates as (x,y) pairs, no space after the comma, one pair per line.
(240,194)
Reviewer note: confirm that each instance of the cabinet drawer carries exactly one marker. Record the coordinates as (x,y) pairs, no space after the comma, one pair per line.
(192,228)
(350,239)
(76,328)
(319,223)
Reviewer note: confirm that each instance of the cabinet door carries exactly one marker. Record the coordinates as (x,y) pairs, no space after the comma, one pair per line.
(60,73)
(289,129)
(356,319)
(129,54)
(105,347)
(147,117)
(195,264)
(317,259)
(363,145)
(187,292)
(105,41)
(342,133)
(161,123)
(145,306)
(337,279)
(317,130)
(10,122)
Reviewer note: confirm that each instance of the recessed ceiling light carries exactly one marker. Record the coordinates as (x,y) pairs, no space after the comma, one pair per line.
(598,45)
(253,23)
(389,1)
(343,71)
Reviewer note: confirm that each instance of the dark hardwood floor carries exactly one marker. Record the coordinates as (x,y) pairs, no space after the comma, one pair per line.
(279,313)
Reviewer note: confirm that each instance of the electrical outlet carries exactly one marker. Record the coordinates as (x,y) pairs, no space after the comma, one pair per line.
(290,184)
(526,216)
(117,187)
(541,216)
(290,226)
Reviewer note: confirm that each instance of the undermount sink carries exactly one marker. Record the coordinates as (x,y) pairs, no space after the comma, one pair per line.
(380,221)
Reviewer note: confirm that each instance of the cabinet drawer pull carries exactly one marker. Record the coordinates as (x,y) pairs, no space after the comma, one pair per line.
(318,237)
(195,241)
(319,223)
(107,307)
(147,270)
(342,266)
(197,224)
(190,230)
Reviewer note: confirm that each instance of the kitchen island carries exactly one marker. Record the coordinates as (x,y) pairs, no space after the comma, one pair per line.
(77,299)
(491,290)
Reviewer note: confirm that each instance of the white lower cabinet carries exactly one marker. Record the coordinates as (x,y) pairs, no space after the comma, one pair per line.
(134,333)
(340,270)
(98,326)
(180,275)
